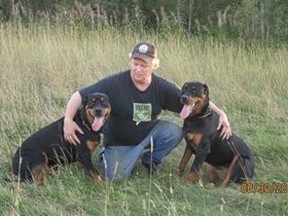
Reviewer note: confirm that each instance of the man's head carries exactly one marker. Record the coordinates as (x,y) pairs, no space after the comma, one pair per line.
(143,61)
(146,52)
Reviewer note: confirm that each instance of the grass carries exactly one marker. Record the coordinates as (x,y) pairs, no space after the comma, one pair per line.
(41,66)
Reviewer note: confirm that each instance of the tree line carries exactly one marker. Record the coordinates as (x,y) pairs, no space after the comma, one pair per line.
(251,20)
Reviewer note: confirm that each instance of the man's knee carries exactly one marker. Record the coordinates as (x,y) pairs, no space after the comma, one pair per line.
(118,162)
(170,129)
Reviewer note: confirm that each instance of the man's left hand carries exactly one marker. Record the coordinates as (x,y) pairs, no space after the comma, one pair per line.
(224,125)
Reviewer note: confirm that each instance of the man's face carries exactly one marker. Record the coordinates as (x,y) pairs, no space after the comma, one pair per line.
(140,70)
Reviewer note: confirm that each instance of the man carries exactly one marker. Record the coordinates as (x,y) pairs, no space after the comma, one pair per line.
(137,97)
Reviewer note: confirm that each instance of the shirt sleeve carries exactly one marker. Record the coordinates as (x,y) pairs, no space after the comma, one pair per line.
(100,86)
(171,96)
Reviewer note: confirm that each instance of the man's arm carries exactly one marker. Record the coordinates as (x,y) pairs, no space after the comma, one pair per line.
(70,127)
(223,122)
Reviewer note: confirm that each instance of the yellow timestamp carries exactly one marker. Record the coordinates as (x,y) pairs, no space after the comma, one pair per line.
(264,187)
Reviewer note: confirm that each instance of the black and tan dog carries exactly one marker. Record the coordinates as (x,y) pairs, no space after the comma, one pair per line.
(47,148)
(227,160)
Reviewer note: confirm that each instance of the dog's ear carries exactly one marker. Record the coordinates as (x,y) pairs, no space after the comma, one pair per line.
(206,89)
(84,100)
(184,86)
(82,107)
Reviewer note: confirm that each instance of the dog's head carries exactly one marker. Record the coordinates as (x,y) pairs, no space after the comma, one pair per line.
(96,109)
(194,97)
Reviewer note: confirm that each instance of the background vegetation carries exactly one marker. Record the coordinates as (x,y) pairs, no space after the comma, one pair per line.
(264,21)
(42,64)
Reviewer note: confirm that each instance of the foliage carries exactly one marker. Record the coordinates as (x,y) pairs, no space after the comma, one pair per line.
(249,20)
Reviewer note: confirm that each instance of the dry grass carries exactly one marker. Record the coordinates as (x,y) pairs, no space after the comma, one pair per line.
(41,66)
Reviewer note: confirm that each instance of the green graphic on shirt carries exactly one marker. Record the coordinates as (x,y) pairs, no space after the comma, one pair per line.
(141,112)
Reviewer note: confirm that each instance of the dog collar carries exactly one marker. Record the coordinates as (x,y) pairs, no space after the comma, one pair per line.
(206,114)
(86,125)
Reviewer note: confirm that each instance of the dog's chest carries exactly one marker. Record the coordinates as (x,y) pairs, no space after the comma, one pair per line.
(205,126)
(92,145)
(199,130)
(89,142)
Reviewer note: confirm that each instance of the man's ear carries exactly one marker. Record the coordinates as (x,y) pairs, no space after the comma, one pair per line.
(206,89)
(156,63)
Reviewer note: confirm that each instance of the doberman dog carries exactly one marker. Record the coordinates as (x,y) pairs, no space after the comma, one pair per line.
(227,160)
(47,148)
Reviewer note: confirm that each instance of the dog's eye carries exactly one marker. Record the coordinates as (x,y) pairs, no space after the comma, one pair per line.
(101,99)
(193,90)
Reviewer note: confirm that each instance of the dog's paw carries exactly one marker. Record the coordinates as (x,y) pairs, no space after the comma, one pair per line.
(178,173)
(96,178)
(192,177)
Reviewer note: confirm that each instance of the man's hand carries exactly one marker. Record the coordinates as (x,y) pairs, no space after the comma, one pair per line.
(70,128)
(224,125)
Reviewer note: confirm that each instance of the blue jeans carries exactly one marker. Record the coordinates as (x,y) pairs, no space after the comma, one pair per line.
(117,162)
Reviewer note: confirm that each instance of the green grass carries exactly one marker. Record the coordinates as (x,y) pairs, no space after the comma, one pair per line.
(40,67)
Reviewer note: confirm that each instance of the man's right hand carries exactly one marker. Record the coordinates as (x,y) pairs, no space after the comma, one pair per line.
(70,128)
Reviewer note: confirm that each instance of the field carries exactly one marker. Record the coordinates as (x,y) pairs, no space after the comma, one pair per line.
(41,67)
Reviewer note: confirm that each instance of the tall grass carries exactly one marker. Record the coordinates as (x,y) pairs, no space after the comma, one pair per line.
(41,66)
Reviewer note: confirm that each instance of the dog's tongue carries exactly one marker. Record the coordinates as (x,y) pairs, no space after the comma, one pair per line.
(186,110)
(97,123)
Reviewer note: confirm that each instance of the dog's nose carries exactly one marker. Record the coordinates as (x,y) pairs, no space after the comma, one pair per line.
(98,111)
(184,98)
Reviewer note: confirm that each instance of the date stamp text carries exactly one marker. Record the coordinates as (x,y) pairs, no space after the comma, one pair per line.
(264,187)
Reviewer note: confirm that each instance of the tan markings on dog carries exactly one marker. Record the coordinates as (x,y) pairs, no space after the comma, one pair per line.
(39,171)
(95,177)
(106,112)
(226,181)
(199,103)
(193,100)
(90,115)
(184,161)
(192,177)
(216,174)
(211,172)
(221,174)
(195,138)
(92,145)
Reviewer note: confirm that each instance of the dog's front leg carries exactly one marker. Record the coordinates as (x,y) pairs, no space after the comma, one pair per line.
(199,146)
(197,163)
(95,177)
(85,159)
(192,177)
(185,159)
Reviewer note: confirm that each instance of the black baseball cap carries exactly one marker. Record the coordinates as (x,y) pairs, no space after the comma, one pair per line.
(144,51)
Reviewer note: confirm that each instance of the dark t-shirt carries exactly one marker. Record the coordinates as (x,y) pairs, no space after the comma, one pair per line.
(134,112)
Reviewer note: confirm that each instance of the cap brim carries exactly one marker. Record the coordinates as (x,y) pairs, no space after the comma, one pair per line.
(143,57)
